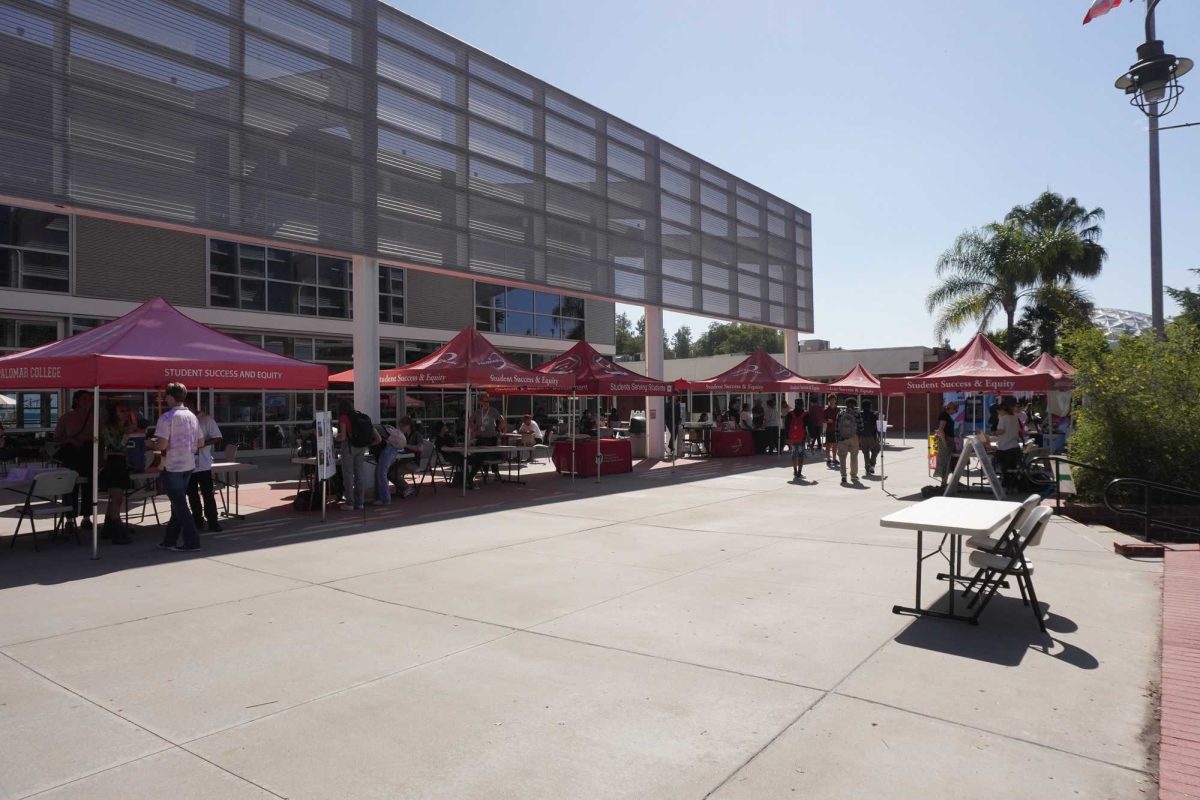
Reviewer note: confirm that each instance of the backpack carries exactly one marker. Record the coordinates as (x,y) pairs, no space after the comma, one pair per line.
(362,431)
(847,424)
(796,428)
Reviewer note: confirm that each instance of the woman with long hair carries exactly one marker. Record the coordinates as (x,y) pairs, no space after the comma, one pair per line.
(114,475)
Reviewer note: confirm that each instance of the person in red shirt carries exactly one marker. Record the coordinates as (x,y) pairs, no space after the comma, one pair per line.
(794,424)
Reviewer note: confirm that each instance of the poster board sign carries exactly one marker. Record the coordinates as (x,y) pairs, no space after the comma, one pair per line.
(326,465)
(974,446)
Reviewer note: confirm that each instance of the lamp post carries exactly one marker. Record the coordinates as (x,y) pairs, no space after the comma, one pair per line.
(1153,86)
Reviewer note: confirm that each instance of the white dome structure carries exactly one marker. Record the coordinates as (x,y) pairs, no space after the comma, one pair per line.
(1116,322)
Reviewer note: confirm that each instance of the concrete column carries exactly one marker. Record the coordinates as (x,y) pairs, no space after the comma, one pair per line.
(655,445)
(364,280)
(791,358)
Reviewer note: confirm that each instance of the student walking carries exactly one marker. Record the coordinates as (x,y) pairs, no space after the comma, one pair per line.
(177,436)
(868,437)
(795,426)
(847,427)
(831,415)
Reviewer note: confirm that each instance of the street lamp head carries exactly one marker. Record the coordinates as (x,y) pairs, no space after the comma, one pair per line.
(1153,82)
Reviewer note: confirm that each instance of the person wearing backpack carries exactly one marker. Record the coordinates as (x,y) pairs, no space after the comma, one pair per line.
(868,437)
(356,433)
(847,427)
(795,424)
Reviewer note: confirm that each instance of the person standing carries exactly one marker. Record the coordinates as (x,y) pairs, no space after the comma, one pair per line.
(201,493)
(831,415)
(847,427)
(771,426)
(814,421)
(1008,443)
(114,471)
(73,433)
(355,435)
(796,426)
(487,423)
(868,437)
(177,436)
(945,441)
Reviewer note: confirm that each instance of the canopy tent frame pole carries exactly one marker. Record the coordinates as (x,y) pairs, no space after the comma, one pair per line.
(324,483)
(599,455)
(466,437)
(95,471)
(572,406)
(886,402)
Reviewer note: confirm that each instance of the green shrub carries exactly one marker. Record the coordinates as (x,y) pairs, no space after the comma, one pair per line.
(1141,407)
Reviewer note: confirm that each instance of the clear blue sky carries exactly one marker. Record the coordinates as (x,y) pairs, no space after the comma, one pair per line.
(897,123)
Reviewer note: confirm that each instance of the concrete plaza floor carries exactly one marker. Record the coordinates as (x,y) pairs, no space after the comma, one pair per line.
(709,631)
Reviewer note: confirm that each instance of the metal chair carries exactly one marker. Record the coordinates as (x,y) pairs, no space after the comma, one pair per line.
(45,499)
(424,469)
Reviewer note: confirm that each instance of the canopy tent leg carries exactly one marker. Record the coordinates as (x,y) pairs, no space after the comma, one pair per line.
(324,483)
(466,437)
(95,472)
(679,431)
(599,455)
(572,406)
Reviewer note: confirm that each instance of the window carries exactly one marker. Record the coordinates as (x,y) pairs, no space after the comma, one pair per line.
(391,295)
(35,250)
(524,312)
(914,366)
(257,278)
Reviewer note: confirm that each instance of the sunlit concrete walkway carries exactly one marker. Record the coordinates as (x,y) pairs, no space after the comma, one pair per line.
(712,630)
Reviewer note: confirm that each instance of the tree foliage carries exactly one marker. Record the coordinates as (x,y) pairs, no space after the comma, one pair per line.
(681,343)
(1139,413)
(630,343)
(1189,302)
(725,338)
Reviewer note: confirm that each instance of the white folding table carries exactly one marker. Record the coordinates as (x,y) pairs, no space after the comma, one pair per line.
(954,517)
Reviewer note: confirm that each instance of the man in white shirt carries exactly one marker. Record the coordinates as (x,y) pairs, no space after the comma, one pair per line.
(177,436)
(531,434)
(201,495)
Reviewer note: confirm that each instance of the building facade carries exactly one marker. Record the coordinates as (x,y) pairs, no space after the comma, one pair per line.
(333,177)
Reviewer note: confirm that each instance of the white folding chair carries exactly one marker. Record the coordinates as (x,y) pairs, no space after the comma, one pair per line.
(996,567)
(425,466)
(45,500)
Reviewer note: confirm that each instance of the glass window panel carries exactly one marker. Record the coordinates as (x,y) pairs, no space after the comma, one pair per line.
(22,24)
(714,177)
(570,137)
(405,111)
(518,324)
(747,212)
(713,223)
(718,250)
(572,306)
(485,319)
(630,192)
(24,227)
(252,260)
(675,181)
(503,109)
(333,272)
(749,193)
(575,205)
(489,294)
(569,109)
(391,280)
(676,210)
(413,241)
(222,256)
(627,160)
(233,408)
(10,270)
(628,135)
(333,351)
(519,299)
(280,345)
(252,295)
(45,272)
(302,75)
(279,408)
(416,36)
(749,284)
(504,259)
(303,27)
(714,198)
(333,303)
(749,237)
(308,301)
(501,146)
(776,225)
(283,298)
(712,275)
(676,158)
(170,81)
(629,284)
(573,329)
(681,268)
(35,334)
(628,222)
(419,158)
(572,240)
(680,239)
(222,291)
(570,171)
(546,326)
(777,206)
(501,221)
(503,184)
(547,303)
(501,76)
(779,248)
(416,73)
(416,199)
(161,23)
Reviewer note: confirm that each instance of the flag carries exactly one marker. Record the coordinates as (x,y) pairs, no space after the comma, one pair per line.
(1099,9)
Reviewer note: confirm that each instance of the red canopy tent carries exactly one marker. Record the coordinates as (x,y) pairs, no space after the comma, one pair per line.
(857,381)
(757,373)
(1060,370)
(596,373)
(151,346)
(981,366)
(467,361)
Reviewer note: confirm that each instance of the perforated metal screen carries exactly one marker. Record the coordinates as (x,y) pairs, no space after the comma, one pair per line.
(350,126)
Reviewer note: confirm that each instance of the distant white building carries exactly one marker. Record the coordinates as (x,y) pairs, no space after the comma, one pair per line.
(1117,322)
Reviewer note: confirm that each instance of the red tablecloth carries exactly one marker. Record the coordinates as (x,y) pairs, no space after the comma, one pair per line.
(732,443)
(617,456)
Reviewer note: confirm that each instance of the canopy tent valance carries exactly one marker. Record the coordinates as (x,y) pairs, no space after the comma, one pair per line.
(981,366)
(596,373)
(857,381)
(151,346)
(467,360)
(757,373)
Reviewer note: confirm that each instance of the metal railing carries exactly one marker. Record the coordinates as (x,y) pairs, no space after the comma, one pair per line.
(1145,510)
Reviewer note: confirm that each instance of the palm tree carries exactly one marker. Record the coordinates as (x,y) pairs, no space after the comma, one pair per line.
(986,272)
(1067,237)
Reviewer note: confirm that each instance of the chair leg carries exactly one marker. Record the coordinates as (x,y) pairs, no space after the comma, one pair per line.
(1037,609)
(1021,586)
(987,598)
(13,543)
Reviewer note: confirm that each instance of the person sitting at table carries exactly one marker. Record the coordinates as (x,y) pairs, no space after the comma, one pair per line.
(487,423)
(114,472)
(74,436)
(403,439)
(587,423)
(531,434)
(614,417)
(444,439)
(703,417)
